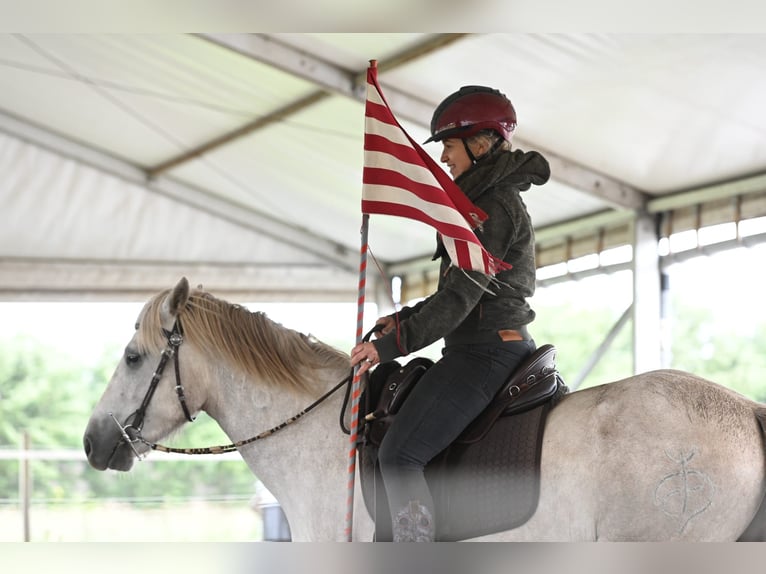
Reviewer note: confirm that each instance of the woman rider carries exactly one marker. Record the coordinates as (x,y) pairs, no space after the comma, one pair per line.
(483,322)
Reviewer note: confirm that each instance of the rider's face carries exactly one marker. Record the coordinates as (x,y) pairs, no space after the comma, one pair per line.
(455,156)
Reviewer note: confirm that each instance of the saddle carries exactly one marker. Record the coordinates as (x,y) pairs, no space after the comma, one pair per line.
(488,479)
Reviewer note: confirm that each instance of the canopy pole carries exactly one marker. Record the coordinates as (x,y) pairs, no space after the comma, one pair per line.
(356,383)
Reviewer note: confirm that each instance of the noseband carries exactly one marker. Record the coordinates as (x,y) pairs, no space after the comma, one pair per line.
(132,432)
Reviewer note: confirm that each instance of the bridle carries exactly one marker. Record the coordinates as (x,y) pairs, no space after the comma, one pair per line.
(175,339)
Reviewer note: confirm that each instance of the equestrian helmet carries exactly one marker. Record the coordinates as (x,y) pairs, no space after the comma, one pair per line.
(470,110)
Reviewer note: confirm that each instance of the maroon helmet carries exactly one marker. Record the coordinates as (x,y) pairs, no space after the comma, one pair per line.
(470,110)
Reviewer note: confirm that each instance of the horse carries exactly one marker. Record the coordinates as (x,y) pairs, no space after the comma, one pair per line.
(659,456)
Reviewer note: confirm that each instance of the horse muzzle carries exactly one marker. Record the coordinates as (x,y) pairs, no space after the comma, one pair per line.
(108,445)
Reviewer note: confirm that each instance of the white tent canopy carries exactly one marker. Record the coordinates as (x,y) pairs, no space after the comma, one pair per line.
(130,160)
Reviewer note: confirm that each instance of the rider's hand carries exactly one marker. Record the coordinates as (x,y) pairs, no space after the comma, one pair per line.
(365,355)
(389,324)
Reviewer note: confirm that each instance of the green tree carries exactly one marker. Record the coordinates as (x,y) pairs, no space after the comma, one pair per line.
(577,332)
(717,351)
(42,394)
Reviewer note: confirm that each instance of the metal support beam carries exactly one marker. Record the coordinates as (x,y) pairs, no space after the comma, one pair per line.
(35,279)
(743,186)
(646,295)
(666,322)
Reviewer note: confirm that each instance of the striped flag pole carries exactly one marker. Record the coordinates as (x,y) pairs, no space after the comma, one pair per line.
(356,383)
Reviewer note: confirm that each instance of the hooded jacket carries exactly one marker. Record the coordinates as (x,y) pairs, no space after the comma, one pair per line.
(469,306)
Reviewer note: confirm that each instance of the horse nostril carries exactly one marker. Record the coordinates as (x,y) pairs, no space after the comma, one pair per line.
(86,445)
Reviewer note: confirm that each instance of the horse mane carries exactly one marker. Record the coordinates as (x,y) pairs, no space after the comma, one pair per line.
(250,341)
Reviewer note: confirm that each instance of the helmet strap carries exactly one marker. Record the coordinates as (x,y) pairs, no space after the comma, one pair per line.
(486,154)
(468,151)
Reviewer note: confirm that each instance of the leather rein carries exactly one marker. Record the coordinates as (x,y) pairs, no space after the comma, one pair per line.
(131,432)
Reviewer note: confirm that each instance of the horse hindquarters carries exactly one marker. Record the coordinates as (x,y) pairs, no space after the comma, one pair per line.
(661,456)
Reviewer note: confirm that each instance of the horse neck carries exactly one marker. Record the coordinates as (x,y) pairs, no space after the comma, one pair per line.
(309,455)
(244,406)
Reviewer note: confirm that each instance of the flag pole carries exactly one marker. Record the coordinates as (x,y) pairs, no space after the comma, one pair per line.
(356,383)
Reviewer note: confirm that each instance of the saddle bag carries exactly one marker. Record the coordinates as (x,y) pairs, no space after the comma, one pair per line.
(387,388)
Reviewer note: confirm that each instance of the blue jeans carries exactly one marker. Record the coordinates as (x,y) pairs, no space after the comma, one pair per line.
(451,394)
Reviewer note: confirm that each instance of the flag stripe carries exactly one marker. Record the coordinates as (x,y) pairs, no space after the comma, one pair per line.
(381,113)
(376,144)
(382,160)
(404,210)
(390,132)
(386,177)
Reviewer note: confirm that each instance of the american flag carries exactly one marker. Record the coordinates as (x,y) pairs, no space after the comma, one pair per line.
(400,178)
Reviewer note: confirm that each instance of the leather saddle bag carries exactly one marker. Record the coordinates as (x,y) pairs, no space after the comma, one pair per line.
(387,388)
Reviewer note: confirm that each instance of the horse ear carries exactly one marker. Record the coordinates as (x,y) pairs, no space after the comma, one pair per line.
(176,300)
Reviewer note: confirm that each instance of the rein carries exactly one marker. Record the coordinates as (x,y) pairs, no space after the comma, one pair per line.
(175,338)
(234,446)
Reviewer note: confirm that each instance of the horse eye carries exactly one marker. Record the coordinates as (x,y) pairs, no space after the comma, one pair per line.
(132,359)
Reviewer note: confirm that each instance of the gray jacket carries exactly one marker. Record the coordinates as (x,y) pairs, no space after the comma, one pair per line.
(462,310)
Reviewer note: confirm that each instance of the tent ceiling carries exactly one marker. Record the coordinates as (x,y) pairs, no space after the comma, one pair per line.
(236,159)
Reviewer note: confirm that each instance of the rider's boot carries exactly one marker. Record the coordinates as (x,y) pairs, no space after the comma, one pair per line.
(413,523)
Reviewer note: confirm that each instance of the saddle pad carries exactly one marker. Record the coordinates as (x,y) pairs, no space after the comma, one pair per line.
(492,485)
(479,488)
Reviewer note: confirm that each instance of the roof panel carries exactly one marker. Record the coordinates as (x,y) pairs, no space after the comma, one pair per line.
(124,221)
(142,98)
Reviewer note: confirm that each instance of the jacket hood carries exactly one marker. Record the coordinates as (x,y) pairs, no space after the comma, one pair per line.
(516,168)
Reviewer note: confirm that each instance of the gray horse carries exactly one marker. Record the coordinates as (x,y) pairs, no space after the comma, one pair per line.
(661,456)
